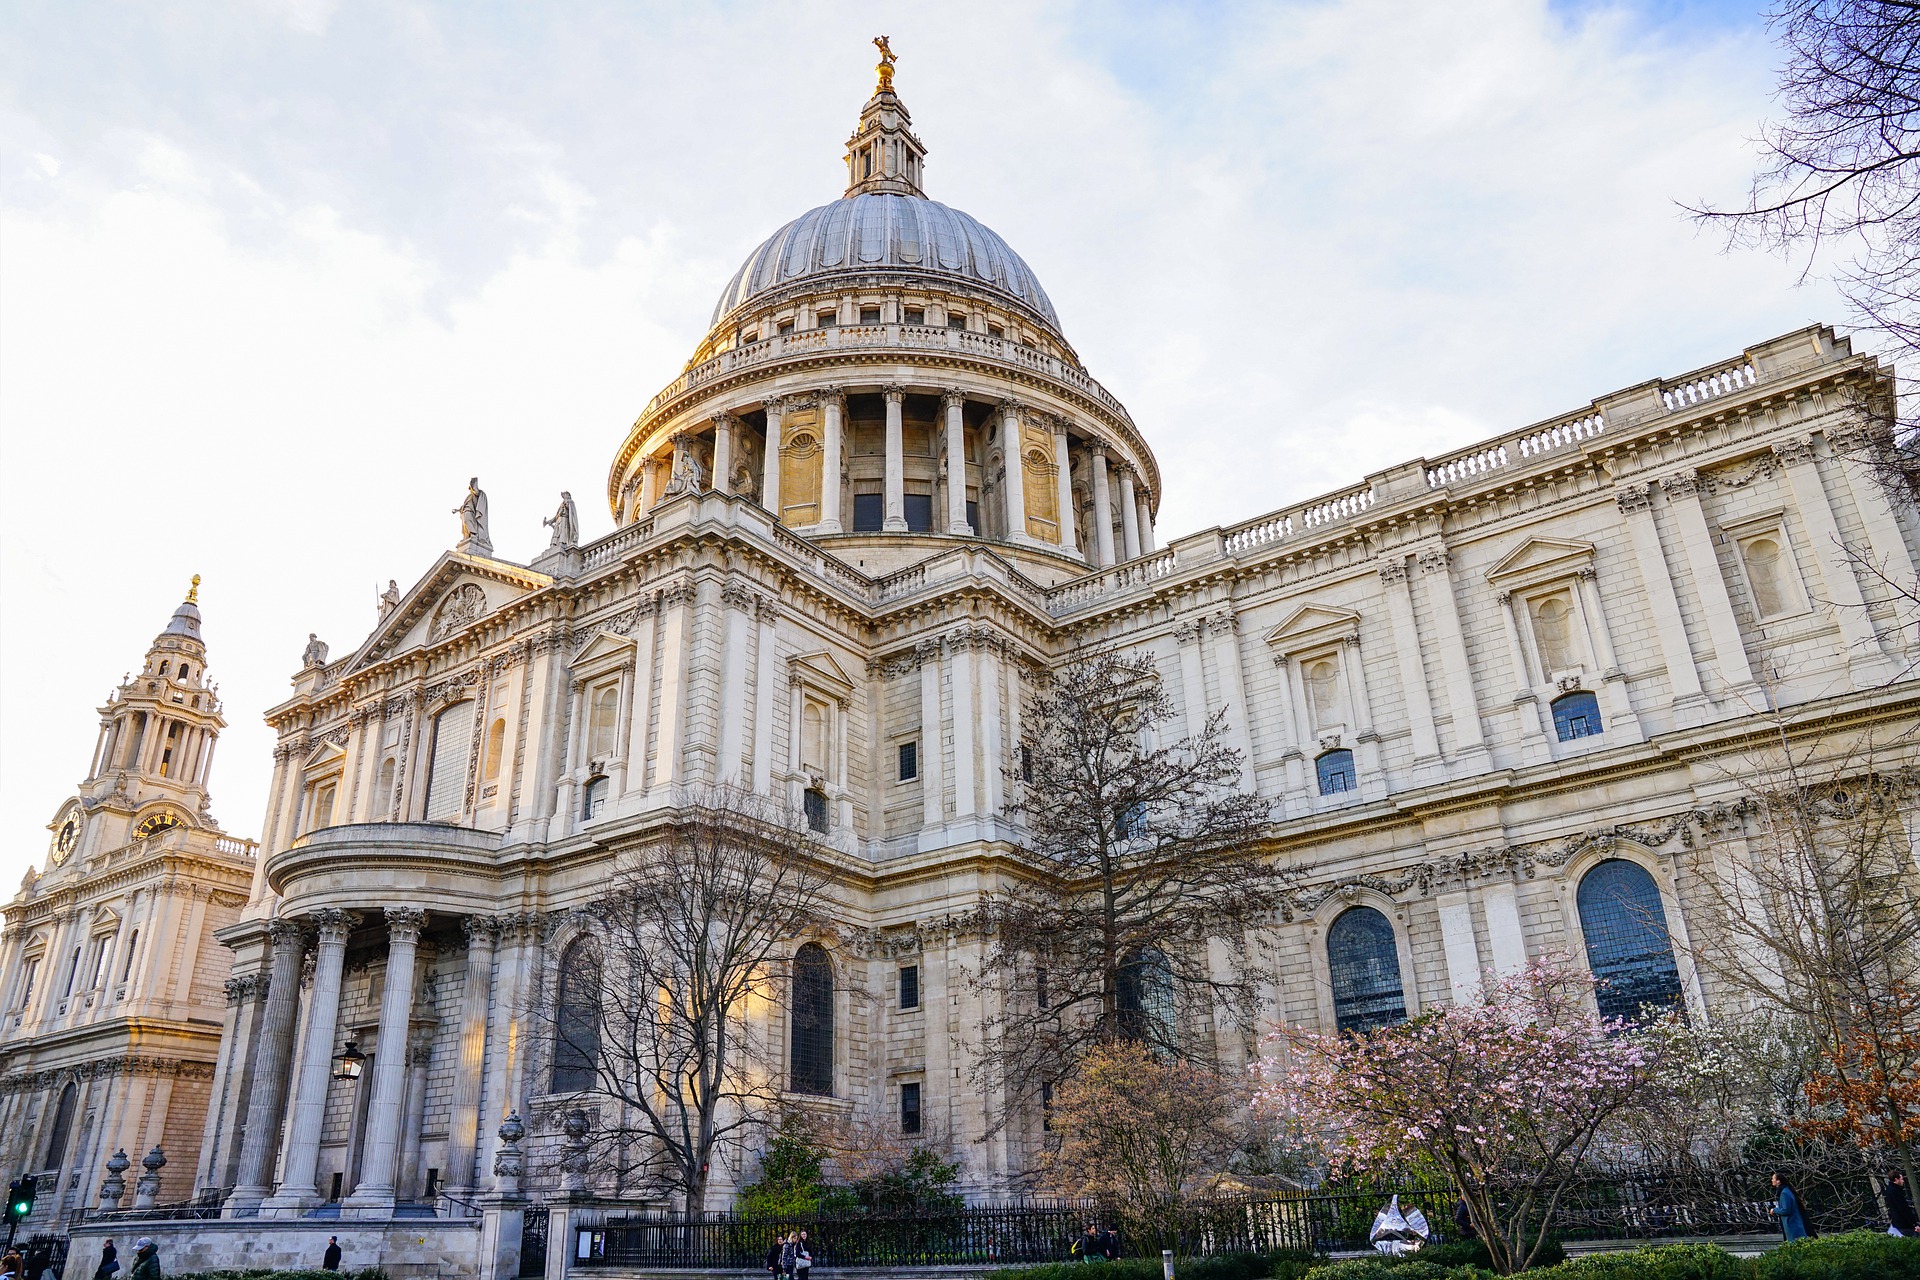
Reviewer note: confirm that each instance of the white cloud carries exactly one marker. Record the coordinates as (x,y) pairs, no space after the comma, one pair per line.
(286,286)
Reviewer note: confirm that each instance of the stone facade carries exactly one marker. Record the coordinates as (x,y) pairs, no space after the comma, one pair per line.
(112,988)
(884,499)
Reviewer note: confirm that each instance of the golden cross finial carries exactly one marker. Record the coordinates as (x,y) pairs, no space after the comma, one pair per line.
(193,592)
(886,64)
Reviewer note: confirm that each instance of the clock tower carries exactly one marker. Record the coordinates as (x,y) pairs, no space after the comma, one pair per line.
(150,765)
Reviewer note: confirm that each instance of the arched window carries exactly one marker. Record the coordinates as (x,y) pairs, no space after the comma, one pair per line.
(1576,715)
(496,744)
(1323,693)
(1365,964)
(1625,928)
(1144,998)
(596,797)
(606,710)
(576,1030)
(812,1056)
(1335,771)
(447,772)
(62,1127)
(133,946)
(323,807)
(1766,574)
(814,801)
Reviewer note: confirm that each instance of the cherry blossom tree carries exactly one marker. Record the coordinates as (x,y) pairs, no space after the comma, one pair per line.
(1509,1096)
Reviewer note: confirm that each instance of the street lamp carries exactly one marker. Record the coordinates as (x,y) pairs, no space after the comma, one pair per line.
(349,1063)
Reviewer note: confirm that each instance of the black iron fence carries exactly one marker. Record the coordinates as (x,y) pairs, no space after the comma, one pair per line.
(1644,1206)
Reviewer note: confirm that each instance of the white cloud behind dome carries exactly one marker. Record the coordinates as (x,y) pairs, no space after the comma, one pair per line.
(274,281)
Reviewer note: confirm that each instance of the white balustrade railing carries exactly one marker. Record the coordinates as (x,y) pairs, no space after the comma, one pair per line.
(1334,510)
(1467,466)
(1265,530)
(1721,382)
(617,544)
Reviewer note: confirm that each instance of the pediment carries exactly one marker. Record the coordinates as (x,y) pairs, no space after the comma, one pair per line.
(821,671)
(604,649)
(456,593)
(1313,624)
(327,753)
(105,919)
(1541,558)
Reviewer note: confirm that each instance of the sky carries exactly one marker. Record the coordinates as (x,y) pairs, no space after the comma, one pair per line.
(277,276)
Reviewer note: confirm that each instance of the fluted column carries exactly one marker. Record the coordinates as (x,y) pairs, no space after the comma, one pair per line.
(374,1197)
(770,468)
(1063,488)
(896,473)
(463,1121)
(1145,500)
(833,408)
(953,404)
(722,453)
(1129,515)
(298,1190)
(1102,506)
(649,484)
(268,1100)
(1014,488)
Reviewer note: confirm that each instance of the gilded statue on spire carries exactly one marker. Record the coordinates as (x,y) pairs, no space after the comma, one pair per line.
(193,592)
(886,64)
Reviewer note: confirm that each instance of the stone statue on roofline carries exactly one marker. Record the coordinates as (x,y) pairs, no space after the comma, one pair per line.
(474,538)
(565,523)
(390,598)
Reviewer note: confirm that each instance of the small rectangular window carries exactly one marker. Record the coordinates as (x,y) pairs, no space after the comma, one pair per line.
(916,316)
(1026,763)
(1046,1105)
(956,320)
(973,516)
(869,315)
(750,337)
(814,802)
(918,509)
(994,330)
(786,326)
(826,320)
(868,509)
(910,1107)
(909,986)
(909,761)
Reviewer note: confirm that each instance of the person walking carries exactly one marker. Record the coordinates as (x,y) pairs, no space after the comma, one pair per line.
(1110,1243)
(802,1258)
(789,1253)
(146,1260)
(773,1256)
(1087,1247)
(1900,1216)
(330,1260)
(1793,1224)
(10,1267)
(109,1261)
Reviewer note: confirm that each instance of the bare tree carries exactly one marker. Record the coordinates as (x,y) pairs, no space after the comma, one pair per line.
(660,1024)
(1143,872)
(1816,928)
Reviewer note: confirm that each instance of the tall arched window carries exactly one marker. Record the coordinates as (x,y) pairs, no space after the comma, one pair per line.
(1628,949)
(576,1024)
(1145,998)
(1576,715)
(1365,963)
(323,806)
(606,712)
(496,746)
(812,1055)
(447,772)
(62,1127)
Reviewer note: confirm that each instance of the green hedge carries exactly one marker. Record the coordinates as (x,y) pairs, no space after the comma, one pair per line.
(1280,1265)
(1661,1262)
(267,1273)
(1855,1255)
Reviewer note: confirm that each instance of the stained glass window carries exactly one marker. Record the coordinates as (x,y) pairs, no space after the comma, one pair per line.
(576,1032)
(812,1056)
(1627,944)
(1365,963)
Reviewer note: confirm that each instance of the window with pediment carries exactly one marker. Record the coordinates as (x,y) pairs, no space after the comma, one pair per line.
(603,715)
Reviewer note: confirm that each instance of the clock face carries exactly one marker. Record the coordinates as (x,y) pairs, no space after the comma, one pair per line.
(66,838)
(157,823)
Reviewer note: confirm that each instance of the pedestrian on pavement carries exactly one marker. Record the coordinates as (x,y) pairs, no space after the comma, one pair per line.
(1793,1225)
(1110,1243)
(1087,1247)
(773,1256)
(802,1259)
(1900,1216)
(789,1253)
(146,1260)
(109,1261)
(10,1267)
(331,1258)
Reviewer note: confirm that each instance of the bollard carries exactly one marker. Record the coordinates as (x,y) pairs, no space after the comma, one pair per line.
(1166,1264)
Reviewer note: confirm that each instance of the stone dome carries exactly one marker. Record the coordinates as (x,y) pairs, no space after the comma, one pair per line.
(883,231)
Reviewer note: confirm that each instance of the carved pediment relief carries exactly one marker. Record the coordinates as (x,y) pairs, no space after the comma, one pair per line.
(604,651)
(462,607)
(820,671)
(1311,626)
(457,592)
(326,755)
(1540,560)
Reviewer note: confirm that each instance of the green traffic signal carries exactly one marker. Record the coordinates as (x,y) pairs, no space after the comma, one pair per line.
(20,1198)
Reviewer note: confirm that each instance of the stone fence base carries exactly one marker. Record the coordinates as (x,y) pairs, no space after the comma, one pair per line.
(407,1248)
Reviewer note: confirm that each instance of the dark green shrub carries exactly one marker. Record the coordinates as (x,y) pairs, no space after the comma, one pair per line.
(1282,1264)
(1125,1269)
(1853,1255)
(1473,1253)
(1663,1262)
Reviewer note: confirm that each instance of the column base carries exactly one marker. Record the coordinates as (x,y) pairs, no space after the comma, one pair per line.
(361,1204)
(959,529)
(894,524)
(244,1202)
(285,1204)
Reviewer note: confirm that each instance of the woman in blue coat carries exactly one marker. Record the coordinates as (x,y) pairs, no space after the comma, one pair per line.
(1793,1224)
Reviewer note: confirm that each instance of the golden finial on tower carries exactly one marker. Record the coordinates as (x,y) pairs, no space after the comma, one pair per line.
(886,64)
(193,592)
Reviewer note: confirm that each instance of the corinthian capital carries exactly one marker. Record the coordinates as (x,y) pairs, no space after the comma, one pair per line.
(332,924)
(405,923)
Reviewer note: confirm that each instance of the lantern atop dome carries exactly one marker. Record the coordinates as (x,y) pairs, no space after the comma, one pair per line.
(883,155)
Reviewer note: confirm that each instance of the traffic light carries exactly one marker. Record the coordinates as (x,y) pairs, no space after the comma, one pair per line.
(20,1198)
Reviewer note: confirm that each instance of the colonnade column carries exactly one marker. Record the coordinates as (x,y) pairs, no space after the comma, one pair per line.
(463,1120)
(299,1190)
(770,465)
(1129,515)
(954,404)
(722,479)
(267,1102)
(1102,507)
(833,409)
(1014,488)
(1063,480)
(649,484)
(374,1197)
(896,472)
(1146,521)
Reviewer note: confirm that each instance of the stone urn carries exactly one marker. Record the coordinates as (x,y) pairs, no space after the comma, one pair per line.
(114,1189)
